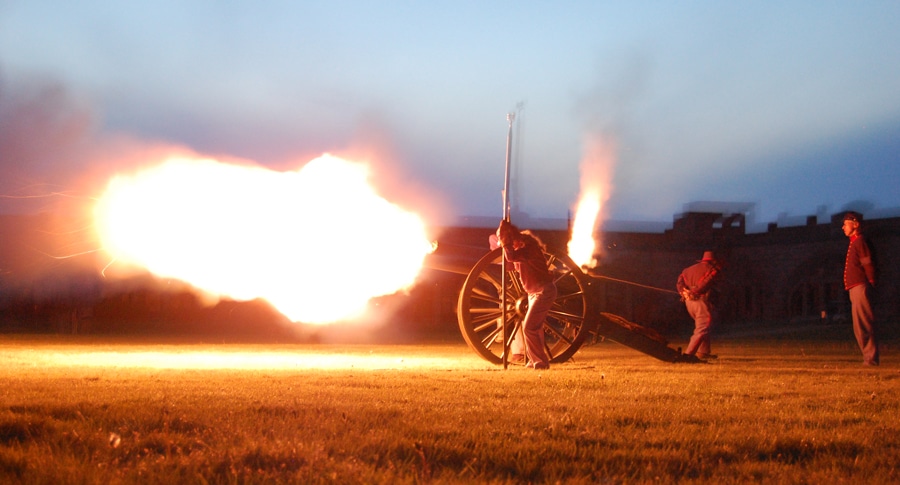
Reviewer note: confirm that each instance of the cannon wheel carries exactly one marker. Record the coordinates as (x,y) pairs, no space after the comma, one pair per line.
(479,309)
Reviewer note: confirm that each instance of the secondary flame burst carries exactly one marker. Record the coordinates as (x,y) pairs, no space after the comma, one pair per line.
(317,243)
(596,167)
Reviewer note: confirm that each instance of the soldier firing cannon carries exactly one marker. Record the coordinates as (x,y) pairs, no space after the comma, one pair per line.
(575,316)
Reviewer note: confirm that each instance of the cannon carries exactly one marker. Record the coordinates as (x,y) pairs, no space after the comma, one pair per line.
(490,300)
(576,314)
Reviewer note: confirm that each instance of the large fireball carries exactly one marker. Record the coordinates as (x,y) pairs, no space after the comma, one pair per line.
(317,243)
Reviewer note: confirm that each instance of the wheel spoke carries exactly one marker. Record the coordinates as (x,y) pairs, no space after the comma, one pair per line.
(566,315)
(485,295)
(515,324)
(491,337)
(559,335)
(569,296)
(493,281)
(485,322)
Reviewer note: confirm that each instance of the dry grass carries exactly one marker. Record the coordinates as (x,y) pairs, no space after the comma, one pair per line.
(82,411)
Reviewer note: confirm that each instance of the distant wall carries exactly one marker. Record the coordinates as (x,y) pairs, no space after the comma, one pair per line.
(788,275)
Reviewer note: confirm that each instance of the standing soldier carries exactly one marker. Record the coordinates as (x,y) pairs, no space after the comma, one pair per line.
(694,285)
(859,279)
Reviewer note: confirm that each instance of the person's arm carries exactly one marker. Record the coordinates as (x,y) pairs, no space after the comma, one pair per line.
(707,280)
(680,285)
(865,259)
(683,289)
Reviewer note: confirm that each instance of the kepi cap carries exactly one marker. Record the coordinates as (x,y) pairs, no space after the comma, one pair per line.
(853,216)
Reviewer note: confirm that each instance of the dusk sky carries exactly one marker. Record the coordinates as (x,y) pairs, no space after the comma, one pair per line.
(792,106)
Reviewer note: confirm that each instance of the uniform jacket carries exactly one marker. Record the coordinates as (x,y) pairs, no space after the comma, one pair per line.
(858,268)
(697,279)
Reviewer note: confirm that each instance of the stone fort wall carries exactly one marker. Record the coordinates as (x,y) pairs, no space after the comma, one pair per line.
(788,275)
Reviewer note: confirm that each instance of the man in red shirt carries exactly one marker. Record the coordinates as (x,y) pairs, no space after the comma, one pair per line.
(694,285)
(859,279)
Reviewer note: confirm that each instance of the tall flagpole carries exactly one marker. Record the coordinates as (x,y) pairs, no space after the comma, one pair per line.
(506,333)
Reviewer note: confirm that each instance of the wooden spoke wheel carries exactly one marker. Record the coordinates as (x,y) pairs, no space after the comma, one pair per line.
(480,309)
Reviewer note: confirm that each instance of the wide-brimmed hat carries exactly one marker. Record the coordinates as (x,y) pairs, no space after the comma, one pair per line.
(708,256)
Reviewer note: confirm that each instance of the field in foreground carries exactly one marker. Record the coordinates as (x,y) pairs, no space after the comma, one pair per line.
(91,411)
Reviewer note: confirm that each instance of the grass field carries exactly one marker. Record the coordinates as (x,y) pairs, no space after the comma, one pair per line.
(76,411)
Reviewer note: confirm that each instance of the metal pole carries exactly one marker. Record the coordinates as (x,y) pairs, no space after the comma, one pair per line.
(509,118)
(506,333)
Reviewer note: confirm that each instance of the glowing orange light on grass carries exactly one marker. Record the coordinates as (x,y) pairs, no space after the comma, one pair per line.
(19,359)
(596,168)
(317,243)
